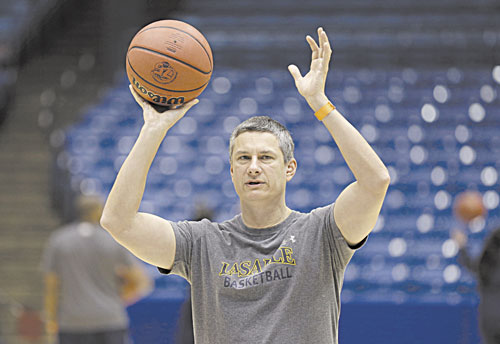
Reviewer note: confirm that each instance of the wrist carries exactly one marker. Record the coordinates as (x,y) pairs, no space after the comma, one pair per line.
(317,102)
(324,111)
(154,130)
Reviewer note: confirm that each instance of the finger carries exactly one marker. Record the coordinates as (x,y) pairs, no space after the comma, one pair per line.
(189,105)
(294,70)
(180,112)
(326,50)
(325,43)
(327,53)
(137,97)
(321,37)
(314,47)
(145,105)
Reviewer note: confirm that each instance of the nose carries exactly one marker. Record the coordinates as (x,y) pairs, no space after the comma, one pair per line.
(254,167)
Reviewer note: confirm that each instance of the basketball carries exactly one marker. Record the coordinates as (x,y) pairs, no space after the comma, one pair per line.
(169,62)
(469,205)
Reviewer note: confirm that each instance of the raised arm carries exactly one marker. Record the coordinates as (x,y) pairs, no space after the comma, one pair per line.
(358,206)
(464,257)
(147,236)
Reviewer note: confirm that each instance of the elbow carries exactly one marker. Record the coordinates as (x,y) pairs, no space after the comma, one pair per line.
(105,222)
(110,223)
(116,221)
(385,179)
(380,183)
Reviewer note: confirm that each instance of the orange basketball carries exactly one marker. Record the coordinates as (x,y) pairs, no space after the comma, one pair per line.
(469,205)
(169,62)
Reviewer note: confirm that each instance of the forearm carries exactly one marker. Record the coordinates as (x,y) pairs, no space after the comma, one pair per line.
(369,171)
(51,303)
(126,194)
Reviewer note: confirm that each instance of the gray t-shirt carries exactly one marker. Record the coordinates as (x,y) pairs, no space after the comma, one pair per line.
(275,285)
(85,257)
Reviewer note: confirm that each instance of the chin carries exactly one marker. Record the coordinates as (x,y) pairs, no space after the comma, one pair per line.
(254,198)
(259,196)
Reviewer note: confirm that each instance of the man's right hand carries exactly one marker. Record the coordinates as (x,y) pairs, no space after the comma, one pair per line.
(161,120)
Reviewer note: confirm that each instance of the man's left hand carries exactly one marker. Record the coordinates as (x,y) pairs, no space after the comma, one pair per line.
(312,85)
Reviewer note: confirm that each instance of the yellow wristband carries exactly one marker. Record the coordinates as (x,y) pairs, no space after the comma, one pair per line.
(324,111)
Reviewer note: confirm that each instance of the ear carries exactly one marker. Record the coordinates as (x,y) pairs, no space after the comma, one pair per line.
(291,168)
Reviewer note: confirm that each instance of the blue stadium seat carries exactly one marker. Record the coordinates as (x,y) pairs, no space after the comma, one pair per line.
(409,255)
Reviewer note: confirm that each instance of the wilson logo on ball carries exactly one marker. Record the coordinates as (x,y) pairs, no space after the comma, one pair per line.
(164,73)
(156,98)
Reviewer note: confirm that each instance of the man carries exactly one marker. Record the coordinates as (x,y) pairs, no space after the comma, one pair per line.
(486,268)
(89,279)
(271,274)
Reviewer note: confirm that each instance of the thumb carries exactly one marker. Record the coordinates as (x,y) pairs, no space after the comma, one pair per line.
(294,70)
(189,105)
(174,115)
(180,111)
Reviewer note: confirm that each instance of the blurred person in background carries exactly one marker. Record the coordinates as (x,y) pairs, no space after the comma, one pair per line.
(89,281)
(486,269)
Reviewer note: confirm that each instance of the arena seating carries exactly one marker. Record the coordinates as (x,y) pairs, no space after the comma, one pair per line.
(434,129)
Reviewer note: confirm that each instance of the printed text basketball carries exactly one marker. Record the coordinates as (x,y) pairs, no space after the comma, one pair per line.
(169,62)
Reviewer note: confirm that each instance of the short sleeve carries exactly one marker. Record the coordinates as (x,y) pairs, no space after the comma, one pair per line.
(341,250)
(183,246)
(187,235)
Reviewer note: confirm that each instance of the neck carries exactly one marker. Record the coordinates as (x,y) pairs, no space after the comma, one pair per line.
(258,216)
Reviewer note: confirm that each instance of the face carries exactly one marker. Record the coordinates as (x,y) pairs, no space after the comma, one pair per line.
(258,170)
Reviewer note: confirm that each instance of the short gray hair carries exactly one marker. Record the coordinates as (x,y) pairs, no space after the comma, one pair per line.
(267,125)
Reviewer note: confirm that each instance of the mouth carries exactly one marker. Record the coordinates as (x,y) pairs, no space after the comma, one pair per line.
(254,183)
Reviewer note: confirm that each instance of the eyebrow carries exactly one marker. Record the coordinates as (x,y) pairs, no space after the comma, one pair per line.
(261,152)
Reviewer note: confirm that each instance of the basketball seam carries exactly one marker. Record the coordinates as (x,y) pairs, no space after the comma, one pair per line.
(187,33)
(161,88)
(170,57)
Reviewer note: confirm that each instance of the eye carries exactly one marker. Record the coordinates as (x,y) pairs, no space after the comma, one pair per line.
(266,157)
(243,157)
